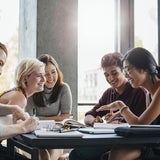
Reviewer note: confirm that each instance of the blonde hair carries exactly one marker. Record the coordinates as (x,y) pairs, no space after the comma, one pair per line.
(25,68)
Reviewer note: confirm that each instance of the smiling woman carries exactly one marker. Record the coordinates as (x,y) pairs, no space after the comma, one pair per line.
(29,79)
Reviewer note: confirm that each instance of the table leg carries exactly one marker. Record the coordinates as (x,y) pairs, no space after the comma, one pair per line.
(35,154)
(10,147)
(12,143)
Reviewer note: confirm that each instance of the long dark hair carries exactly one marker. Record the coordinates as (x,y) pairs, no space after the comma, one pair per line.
(39,98)
(143,59)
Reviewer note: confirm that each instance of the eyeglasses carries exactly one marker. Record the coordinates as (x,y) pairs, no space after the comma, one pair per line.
(127,70)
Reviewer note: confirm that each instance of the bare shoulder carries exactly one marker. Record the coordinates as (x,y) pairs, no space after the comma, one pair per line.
(14,97)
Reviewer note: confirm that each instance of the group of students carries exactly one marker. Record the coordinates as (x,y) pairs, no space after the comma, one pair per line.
(134,95)
(38,84)
(135,85)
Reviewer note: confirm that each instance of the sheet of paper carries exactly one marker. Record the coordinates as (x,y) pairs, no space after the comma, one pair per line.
(46,125)
(109,125)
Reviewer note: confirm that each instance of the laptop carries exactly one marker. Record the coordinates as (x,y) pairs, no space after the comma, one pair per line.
(138,130)
(92,130)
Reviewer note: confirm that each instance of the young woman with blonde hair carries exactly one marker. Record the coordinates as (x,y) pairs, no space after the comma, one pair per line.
(9,106)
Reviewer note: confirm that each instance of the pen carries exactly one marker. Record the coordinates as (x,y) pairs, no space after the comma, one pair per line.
(34,112)
(70,130)
(118,119)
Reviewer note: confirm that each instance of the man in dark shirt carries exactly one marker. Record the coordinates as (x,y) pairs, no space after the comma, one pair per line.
(120,90)
(132,97)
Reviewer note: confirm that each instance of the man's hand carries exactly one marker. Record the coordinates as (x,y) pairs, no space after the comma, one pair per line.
(90,120)
(98,119)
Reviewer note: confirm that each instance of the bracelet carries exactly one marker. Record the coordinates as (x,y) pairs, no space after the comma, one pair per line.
(122,108)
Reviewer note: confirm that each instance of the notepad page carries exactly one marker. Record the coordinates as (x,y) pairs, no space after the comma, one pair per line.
(92,130)
(46,125)
(109,125)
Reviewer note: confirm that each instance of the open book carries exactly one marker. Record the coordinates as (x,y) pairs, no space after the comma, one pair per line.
(59,126)
(65,128)
(70,124)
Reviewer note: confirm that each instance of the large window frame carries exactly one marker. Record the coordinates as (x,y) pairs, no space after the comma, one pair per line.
(125,30)
(124,21)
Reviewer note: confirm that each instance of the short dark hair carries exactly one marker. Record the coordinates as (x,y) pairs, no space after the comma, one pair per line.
(112,59)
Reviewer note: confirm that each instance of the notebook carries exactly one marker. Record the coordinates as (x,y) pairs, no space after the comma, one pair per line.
(109,125)
(45,133)
(92,130)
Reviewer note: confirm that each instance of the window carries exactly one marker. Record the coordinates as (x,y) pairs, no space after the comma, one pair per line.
(96,32)
(96,37)
(9,21)
(146,25)
(97,22)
